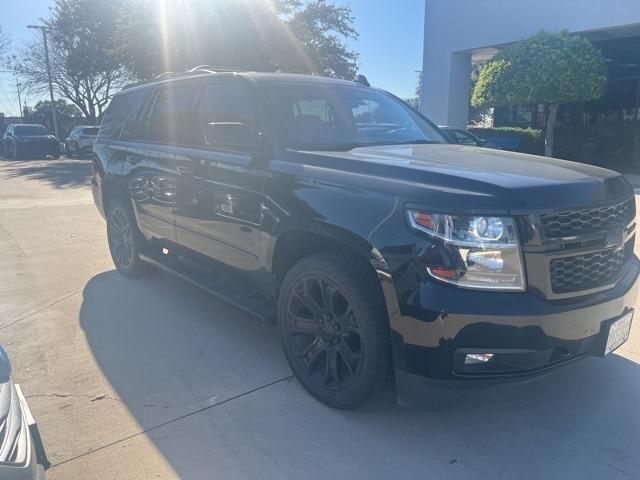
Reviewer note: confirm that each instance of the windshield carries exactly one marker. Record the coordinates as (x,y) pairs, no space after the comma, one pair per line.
(30,130)
(90,131)
(341,117)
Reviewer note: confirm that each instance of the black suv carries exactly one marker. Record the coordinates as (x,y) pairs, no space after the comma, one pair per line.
(29,140)
(381,251)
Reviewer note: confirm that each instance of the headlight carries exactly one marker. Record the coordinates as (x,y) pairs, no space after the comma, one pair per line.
(480,252)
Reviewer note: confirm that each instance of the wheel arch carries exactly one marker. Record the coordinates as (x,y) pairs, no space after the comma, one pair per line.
(295,243)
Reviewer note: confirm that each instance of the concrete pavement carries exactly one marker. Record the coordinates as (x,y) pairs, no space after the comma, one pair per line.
(152,378)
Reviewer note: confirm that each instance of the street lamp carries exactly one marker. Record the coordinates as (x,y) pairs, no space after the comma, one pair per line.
(46,56)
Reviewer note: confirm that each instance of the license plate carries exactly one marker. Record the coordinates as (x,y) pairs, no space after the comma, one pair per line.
(618,333)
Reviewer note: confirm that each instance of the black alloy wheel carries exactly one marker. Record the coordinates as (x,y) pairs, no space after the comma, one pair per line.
(324,333)
(126,242)
(121,238)
(334,329)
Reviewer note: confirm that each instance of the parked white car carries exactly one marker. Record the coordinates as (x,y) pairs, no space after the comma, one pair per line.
(80,140)
(22,454)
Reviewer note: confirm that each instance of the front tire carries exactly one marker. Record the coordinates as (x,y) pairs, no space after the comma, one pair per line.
(126,242)
(334,329)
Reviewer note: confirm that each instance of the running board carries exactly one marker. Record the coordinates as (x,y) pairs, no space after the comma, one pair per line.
(224,285)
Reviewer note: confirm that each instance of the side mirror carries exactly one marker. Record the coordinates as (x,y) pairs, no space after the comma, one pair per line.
(234,135)
(5,366)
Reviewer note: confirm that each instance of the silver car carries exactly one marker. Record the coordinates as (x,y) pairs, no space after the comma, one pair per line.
(22,454)
(80,140)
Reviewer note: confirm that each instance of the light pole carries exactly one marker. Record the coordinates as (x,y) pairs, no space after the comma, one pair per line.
(46,56)
(19,99)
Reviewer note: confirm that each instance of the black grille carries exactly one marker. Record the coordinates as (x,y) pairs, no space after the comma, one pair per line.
(582,272)
(577,222)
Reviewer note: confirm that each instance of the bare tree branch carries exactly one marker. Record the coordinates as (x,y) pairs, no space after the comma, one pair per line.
(88,91)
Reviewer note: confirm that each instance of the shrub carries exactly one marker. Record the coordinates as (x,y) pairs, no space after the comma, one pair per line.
(530,140)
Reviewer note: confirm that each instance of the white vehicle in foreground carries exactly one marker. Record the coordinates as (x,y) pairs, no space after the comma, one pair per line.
(22,454)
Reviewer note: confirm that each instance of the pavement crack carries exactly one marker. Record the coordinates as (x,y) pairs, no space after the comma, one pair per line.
(44,305)
(173,420)
(101,396)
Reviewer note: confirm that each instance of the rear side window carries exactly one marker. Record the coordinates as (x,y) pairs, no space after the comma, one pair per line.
(90,131)
(222,103)
(122,109)
(171,117)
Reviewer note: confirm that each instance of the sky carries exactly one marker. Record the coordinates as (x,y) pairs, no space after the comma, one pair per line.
(390,42)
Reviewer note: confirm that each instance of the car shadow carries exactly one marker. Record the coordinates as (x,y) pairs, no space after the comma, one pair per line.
(169,350)
(61,173)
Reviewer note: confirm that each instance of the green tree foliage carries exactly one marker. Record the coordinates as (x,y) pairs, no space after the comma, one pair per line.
(68,115)
(548,68)
(96,46)
(84,51)
(265,35)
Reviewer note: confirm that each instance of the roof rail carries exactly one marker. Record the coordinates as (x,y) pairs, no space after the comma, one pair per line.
(164,74)
(213,69)
(192,71)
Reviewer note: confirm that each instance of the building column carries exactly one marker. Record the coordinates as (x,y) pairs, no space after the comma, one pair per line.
(459,89)
(446,87)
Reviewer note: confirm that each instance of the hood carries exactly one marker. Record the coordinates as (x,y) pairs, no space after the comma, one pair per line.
(494,179)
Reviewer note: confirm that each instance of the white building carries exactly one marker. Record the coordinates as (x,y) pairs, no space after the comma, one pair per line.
(459,32)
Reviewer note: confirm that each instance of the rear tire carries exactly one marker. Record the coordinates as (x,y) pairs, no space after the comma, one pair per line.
(126,242)
(334,329)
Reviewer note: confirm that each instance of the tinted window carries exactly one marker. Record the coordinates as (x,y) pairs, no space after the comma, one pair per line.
(30,130)
(342,117)
(122,109)
(222,103)
(171,117)
(463,138)
(90,130)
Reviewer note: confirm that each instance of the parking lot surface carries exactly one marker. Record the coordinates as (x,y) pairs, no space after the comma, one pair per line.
(152,378)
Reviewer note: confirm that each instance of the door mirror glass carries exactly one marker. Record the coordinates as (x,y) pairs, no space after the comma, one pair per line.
(235,135)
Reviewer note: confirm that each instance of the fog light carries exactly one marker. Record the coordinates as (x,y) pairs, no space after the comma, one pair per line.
(477,358)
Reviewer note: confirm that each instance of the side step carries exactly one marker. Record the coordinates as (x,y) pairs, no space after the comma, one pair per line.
(224,284)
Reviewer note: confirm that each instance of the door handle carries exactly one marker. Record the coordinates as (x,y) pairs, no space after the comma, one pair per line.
(182,170)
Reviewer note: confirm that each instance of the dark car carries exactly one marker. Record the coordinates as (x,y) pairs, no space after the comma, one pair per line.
(28,141)
(380,249)
(464,137)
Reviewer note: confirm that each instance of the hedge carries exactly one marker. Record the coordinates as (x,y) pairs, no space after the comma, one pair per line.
(531,140)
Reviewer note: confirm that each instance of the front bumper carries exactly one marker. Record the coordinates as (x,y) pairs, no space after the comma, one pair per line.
(435,325)
(37,148)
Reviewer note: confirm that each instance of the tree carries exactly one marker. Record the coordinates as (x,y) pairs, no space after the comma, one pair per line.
(68,115)
(266,35)
(86,67)
(548,68)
